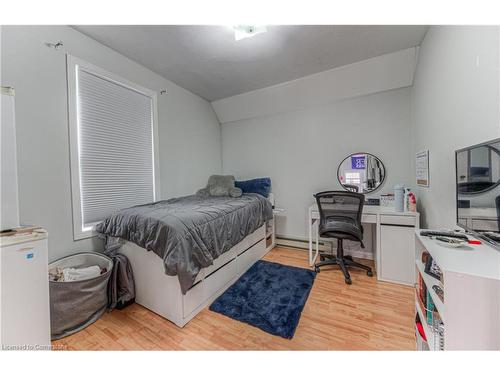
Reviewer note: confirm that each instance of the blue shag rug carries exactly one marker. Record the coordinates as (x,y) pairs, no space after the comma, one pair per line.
(269,296)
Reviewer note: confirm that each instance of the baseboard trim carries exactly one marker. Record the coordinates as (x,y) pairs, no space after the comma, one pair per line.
(303,244)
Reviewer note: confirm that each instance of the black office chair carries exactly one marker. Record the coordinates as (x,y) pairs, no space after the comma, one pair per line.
(340,218)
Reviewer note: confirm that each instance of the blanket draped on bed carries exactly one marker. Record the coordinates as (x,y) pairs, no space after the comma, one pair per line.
(189,233)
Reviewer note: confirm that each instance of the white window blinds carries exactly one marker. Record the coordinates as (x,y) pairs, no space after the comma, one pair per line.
(115,146)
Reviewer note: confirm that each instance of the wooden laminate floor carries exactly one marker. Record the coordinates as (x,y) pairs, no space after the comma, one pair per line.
(367,315)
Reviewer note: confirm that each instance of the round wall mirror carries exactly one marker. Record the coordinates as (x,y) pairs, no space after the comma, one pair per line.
(361,173)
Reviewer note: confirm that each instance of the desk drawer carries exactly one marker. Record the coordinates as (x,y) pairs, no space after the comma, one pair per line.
(485,224)
(397,220)
(369,218)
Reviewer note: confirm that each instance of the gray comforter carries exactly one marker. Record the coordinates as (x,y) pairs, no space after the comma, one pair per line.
(189,233)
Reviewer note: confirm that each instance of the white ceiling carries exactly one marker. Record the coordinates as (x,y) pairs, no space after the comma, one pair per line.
(209,62)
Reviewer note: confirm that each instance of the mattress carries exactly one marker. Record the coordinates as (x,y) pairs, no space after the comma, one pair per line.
(190,232)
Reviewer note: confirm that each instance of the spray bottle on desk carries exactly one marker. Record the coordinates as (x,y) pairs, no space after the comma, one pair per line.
(413,202)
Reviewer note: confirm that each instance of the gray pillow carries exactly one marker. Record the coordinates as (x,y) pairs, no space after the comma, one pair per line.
(220,186)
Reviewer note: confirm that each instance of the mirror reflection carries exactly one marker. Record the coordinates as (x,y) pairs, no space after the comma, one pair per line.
(478,169)
(361,173)
(478,189)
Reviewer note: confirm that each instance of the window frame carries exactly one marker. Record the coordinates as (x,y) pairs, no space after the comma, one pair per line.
(74,64)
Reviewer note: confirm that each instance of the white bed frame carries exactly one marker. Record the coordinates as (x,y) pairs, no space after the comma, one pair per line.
(162,294)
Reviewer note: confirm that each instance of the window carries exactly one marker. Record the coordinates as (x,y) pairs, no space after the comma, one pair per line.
(112,143)
(352,178)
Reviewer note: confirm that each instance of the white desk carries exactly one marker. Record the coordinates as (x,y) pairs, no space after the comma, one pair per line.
(479,218)
(394,244)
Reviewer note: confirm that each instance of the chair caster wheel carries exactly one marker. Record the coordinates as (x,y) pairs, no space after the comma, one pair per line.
(369,273)
(316,269)
(348,281)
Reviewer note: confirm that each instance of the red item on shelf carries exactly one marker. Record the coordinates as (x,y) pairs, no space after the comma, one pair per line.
(474,242)
(420,330)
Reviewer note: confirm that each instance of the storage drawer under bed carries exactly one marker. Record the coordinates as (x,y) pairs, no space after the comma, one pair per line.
(220,277)
(202,291)
(161,293)
(246,259)
(239,248)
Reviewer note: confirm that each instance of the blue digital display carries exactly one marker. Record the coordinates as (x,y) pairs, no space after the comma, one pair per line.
(29,256)
(358,162)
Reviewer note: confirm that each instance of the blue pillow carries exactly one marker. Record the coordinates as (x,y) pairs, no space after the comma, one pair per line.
(260,186)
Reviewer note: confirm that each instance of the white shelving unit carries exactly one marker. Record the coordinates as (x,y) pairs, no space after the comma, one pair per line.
(430,282)
(471,284)
(428,331)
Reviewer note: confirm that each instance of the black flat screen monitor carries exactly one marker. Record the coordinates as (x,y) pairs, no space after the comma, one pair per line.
(478,190)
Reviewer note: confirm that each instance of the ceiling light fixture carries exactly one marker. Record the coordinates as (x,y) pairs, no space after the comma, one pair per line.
(247,31)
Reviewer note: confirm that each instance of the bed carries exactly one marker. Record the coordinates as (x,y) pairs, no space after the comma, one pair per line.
(187,251)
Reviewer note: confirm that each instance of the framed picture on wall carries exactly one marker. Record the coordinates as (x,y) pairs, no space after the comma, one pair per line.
(422,168)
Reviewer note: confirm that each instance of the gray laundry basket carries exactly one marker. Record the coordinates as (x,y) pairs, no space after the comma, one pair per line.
(76,304)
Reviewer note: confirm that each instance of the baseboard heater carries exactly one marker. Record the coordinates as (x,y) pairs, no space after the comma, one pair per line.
(303,244)
(298,243)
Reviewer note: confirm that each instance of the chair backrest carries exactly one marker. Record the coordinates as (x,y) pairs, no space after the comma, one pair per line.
(340,204)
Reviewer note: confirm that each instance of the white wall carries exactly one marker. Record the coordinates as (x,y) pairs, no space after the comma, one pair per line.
(300,150)
(188,128)
(455,103)
(9,201)
(381,73)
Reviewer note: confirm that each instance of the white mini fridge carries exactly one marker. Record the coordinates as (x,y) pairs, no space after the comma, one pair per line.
(24,291)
